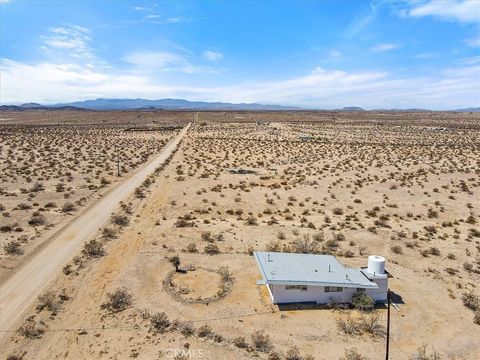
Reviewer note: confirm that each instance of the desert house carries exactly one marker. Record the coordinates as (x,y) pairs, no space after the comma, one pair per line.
(320,279)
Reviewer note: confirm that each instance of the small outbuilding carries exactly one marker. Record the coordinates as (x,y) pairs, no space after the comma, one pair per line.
(320,279)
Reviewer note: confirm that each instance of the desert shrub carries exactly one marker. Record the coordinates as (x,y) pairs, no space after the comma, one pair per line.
(186,328)
(50,205)
(240,342)
(273,355)
(337,211)
(204,331)
(119,219)
(14,357)
(93,248)
(371,324)
(37,187)
(349,326)
(353,354)
(159,322)
(261,341)
(175,261)
(119,300)
(30,329)
(192,248)
(471,300)
(206,236)
(422,354)
(319,236)
(251,220)
(24,206)
(225,274)
(68,207)
(37,219)
(305,246)
(49,301)
(139,194)
(273,246)
(362,301)
(13,248)
(397,249)
(293,353)
(476,317)
(109,233)
(212,249)
(339,237)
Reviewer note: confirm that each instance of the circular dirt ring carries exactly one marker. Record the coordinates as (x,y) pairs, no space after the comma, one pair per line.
(198,286)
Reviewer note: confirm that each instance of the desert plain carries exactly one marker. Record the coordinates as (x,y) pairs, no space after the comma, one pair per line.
(403,185)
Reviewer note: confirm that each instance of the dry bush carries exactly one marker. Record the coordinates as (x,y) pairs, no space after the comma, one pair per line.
(204,331)
(159,322)
(471,300)
(49,301)
(240,342)
(261,341)
(362,301)
(31,329)
(353,354)
(93,248)
(212,249)
(371,324)
(119,300)
(120,220)
(13,248)
(349,326)
(422,354)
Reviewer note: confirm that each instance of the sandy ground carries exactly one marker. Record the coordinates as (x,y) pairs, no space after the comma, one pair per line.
(354,166)
(17,292)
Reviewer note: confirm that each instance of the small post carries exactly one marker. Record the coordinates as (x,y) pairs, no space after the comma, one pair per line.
(118,161)
(388,324)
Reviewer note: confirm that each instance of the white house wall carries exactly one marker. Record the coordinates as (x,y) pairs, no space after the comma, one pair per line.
(313,294)
(379,294)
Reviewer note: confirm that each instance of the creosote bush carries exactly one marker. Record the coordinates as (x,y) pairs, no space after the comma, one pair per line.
(362,301)
(119,300)
(261,341)
(159,322)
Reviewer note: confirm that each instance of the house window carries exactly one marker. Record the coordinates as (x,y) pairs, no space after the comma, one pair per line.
(296,287)
(333,289)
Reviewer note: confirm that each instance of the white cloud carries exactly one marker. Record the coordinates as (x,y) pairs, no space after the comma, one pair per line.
(321,88)
(73,40)
(473,42)
(385,47)
(165,61)
(362,20)
(466,11)
(212,55)
(335,54)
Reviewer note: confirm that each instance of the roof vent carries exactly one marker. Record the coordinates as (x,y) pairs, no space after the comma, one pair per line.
(269,259)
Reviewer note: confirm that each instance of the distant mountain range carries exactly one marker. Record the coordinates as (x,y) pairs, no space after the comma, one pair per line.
(180,104)
(169,104)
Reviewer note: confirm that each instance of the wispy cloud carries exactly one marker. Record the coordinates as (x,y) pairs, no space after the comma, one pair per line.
(72,39)
(466,11)
(165,61)
(212,55)
(473,42)
(362,20)
(452,87)
(385,47)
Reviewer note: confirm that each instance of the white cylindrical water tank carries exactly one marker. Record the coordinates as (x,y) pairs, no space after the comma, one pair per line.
(376,264)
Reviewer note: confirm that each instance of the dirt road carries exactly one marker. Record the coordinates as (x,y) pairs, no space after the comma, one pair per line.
(22,288)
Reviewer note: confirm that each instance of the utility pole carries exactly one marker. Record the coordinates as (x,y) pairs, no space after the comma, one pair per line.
(388,324)
(118,161)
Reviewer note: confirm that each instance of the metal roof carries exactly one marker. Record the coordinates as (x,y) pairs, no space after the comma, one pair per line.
(308,269)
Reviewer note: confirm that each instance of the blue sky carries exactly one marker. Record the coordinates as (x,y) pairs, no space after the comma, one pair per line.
(314,54)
